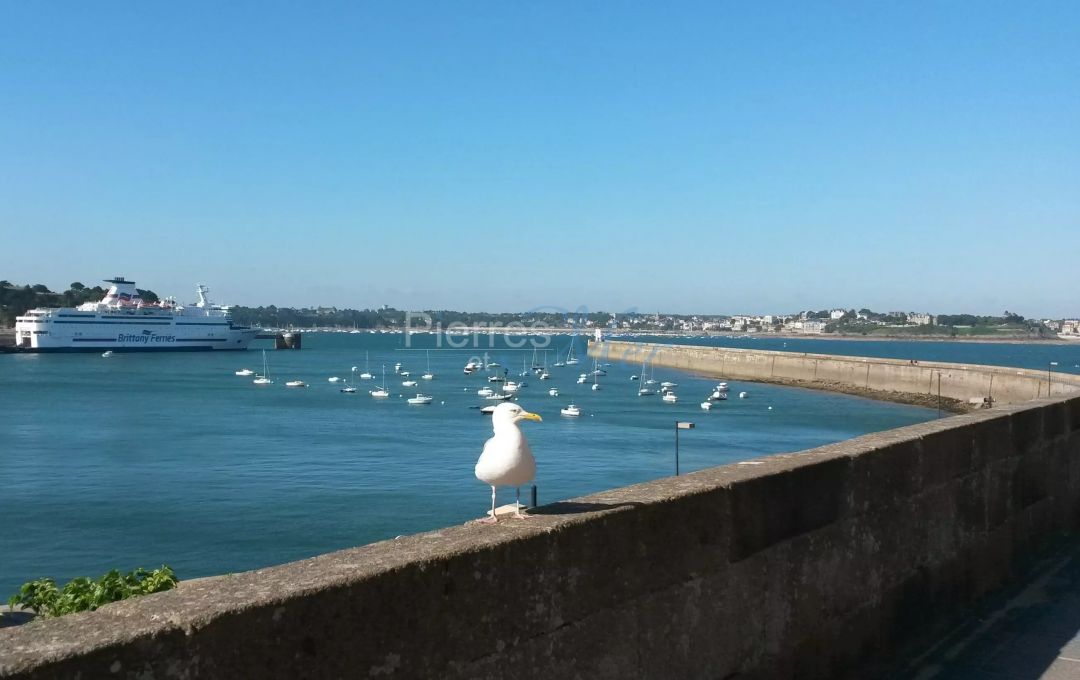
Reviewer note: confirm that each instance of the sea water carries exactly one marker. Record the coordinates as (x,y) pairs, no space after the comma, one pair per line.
(144,459)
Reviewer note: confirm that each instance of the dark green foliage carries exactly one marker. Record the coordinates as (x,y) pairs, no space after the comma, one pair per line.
(15,300)
(388,317)
(86,594)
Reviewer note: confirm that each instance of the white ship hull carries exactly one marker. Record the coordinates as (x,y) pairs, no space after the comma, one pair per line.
(129,335)
(118,325)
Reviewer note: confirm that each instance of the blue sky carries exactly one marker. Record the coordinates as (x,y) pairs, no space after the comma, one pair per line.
(713,157)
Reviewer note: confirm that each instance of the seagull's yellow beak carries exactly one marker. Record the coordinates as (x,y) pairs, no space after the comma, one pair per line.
(525,415)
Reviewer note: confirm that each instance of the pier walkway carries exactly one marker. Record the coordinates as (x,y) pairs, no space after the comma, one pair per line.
(1028,631)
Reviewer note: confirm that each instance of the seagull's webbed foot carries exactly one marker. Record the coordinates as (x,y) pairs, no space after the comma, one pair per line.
(518,515)
(487,520)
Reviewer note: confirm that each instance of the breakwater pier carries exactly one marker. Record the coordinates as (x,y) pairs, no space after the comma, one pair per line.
(958,387)
(806,564)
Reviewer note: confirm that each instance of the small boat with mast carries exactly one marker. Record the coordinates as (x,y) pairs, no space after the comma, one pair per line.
(381,392)
(264,377)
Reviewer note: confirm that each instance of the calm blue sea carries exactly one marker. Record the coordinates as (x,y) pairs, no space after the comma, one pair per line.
(144,459)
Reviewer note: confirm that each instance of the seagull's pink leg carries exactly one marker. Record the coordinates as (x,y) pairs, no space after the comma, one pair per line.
(492,519)
(517,504)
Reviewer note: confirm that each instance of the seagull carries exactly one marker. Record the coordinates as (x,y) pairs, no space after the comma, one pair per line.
(507,459)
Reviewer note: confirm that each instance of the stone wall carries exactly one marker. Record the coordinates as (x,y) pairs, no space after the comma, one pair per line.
(891,378)
(800,565)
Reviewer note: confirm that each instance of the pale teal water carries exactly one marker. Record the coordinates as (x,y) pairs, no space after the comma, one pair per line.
(143,459)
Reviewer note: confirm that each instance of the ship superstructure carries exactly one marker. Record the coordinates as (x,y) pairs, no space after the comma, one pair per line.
(123,322)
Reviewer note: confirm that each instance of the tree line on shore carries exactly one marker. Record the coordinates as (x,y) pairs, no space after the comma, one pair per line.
(15,299)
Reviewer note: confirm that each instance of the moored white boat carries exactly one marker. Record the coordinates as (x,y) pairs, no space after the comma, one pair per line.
(381,392)
(264,378)
(428,375)
(242,372)
(570,411)
(295,383)
(420,399)
(571,360)
(707,405)
(408,383)
(553,392)
(670,397)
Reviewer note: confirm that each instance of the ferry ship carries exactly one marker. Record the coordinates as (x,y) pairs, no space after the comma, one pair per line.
(123,322)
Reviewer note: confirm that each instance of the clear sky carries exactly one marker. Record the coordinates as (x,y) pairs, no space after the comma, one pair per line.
(714,157)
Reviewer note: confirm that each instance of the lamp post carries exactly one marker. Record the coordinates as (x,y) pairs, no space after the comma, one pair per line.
(680,425)
(939,394)
(1048,365)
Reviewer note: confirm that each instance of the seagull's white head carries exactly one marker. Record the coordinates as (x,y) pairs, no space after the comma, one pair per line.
(507,414)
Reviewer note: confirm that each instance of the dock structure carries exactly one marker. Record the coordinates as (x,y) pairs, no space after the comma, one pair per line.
(288,340)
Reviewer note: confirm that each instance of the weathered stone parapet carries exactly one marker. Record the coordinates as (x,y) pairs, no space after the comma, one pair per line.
(797,564)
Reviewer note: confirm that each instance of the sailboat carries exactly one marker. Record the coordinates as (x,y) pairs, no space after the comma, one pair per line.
(570,358)
(381,392)
(544,375)
(350,387)
(264,378)
(366,375)
(645,391)
(595,377)
(559,363)
(429,375)
(652,375)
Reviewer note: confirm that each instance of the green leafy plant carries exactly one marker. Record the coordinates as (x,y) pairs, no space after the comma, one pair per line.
(86,594)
